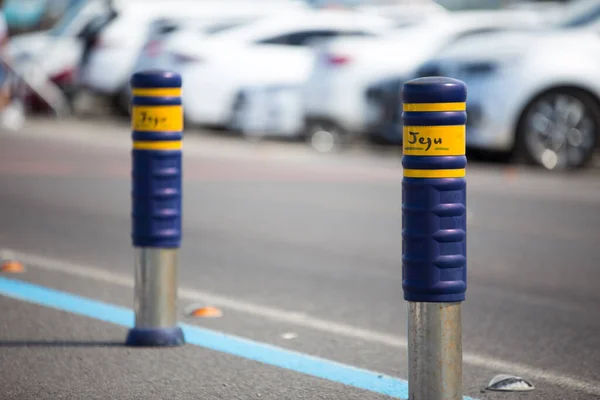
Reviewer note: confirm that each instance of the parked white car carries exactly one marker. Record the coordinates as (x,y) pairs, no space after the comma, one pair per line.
(272,50)
(112,60)
(532,95)
(336,105)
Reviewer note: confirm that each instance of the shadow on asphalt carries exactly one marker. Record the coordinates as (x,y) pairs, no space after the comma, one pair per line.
(59,343)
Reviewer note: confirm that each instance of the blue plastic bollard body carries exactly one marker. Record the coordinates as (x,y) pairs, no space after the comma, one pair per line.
(157,134)
(434,253)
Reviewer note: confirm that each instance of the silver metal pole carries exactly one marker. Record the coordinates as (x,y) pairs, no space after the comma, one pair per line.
(435,351)
(155,300)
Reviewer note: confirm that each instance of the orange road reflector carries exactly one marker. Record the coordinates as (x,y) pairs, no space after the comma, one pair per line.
(11,266)
(511,173)
(205,312)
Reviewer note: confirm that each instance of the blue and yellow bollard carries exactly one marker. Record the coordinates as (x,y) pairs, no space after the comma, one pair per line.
(434,228)
(157,134)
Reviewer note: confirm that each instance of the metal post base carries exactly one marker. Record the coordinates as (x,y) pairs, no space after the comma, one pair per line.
(156,337)
(155,299)
(435,351)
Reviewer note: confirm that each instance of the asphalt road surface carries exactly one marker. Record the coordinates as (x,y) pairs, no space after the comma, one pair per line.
(299,251)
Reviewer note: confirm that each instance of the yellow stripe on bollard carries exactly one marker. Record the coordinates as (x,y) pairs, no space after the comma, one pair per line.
(157,92)
(435,173)
(434,140)
(157,118)
(158,145)
(434,107)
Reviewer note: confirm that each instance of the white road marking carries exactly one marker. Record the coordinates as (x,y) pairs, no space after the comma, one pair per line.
(305,321)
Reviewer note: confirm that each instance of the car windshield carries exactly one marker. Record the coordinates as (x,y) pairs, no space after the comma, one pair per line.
(66,22)
(224,26)
(580,14)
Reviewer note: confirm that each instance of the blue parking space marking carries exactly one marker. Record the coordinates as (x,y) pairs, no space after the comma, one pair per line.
(210,339)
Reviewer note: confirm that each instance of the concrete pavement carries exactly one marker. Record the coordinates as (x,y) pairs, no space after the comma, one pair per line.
(287,242)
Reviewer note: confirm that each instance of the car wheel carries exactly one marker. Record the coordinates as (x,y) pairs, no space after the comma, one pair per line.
(121,102)
(236,119)
(558,130)
(378,139)
(325,137)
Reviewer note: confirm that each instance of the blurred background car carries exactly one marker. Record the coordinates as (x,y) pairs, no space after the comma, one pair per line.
(162,33)
(336,109)
(112,58)
(273,50)
(535,95)
(275,108)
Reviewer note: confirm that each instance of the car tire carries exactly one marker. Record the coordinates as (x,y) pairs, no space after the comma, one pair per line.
(378,140)
(235,120)
(558,130)
(326,137)
(121,102)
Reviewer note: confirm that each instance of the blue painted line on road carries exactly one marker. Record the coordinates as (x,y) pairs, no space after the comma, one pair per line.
(225,343)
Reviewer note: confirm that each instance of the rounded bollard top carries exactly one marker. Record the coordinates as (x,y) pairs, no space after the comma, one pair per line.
(155,79)
(434,89)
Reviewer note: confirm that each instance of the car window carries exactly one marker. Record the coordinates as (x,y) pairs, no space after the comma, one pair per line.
(299,38)
(63,24)
(356,33)
(474,32)
(304,38)
(96,25)
(406,24)
(77,16)
(582,19)
(224,26)
(166,28)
